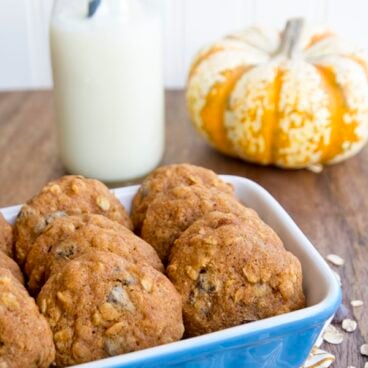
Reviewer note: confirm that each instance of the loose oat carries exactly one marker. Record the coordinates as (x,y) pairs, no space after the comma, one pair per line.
(319,358)
(335,259)
(317,168)
(349,325)
(332,335)
(364,349)
(356,303)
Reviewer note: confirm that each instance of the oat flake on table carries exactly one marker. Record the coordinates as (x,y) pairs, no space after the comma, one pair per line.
(332,335)
(356,303)
(319,358)
(364,349)
(335,259)
(349,325)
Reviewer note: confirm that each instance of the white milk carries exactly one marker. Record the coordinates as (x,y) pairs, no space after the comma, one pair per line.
(108,89)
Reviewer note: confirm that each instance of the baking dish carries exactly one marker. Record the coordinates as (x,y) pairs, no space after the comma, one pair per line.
(279,342)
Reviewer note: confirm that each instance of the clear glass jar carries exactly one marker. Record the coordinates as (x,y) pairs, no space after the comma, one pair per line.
(108,87)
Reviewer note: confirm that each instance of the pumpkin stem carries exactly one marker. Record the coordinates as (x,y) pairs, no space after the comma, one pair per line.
(291,37)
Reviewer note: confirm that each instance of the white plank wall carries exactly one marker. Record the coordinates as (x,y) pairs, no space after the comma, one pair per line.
(188,25)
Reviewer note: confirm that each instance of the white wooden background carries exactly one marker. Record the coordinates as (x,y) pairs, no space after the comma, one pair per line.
(188,25)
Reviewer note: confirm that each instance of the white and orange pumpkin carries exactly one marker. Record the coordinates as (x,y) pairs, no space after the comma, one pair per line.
(296,99)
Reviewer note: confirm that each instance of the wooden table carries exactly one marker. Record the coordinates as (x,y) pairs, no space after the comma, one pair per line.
(330,207)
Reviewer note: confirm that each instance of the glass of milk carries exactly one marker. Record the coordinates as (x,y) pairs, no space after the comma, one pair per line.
(108,87)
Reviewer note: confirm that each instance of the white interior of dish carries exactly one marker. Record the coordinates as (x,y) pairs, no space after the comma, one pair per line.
(319,282)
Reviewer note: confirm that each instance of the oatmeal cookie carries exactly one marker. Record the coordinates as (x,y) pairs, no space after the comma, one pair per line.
(9,264)
(230,270)
(167,177)
(101,305)
(6,237)
(68,195)
(172,212)
(68,237)
(25,337)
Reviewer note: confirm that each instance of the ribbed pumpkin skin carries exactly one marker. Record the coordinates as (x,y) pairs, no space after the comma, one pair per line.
(293,113)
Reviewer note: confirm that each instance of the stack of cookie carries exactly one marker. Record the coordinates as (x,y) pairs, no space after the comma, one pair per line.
(227,264)
(99,286)
(101,290)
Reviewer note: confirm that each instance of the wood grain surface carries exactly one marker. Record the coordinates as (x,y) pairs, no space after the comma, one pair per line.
(330,207)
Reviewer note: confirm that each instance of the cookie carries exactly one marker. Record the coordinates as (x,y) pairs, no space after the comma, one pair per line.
(69,195)
(9,264)
(231,270)
(172,212)
(167,177)
(68,237)
(6,237)
(25,337)
(101,305)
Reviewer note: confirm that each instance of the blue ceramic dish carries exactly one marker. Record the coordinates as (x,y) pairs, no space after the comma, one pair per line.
(279,342)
